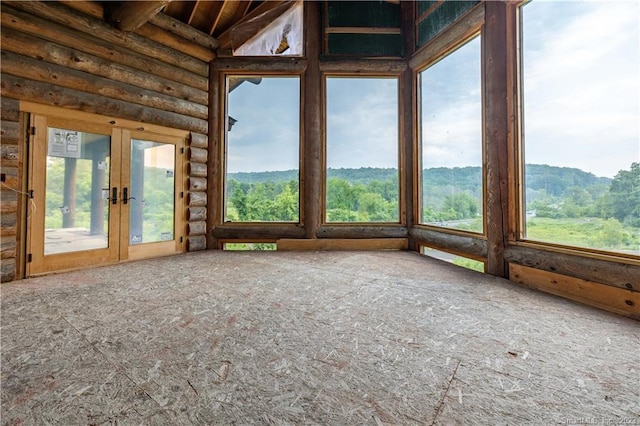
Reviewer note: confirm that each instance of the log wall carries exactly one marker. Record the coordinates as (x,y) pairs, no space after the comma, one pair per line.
(63,54)
(10,198)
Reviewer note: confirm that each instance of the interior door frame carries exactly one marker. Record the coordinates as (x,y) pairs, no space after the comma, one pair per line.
(119,250)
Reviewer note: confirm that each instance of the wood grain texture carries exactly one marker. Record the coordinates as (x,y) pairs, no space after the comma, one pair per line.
(7,248)
(87,43)
(619,301)
(357,231)
(196,243)
(465,245)
(89,25)
(7,270)
(197,169)
(188,32)
(213,184)
(197,199)
(196,228)
(128,16)
(9,132)
(613,273)
(312,182)
(342,244)
(363,66)
(176,42)
(496,127)
(198,140)
(50,94)
(197,184)
(63,76)
(257,232)
(9,109)
(468,24)
(196,214)
(197,155)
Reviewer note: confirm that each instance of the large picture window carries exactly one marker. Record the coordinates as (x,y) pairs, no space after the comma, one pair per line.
(581,141)
(263,149)
(362,149)
(451,140)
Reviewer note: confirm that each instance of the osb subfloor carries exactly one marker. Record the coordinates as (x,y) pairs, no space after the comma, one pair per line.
(331,338)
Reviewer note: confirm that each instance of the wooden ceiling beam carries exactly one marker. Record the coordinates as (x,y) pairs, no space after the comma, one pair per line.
(188,32)
(215,15)
(240,12)
(91,8)
(130,15)
(259,18)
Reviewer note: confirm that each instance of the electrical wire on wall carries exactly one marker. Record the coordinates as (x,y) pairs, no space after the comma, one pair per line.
(33,203)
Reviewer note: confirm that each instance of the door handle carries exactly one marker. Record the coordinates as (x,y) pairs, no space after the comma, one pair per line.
(125,196)
(114,198)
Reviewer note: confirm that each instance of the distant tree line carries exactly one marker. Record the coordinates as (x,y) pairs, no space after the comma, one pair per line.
(449,194)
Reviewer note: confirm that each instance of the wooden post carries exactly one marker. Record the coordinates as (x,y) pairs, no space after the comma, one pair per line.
(496,135)
(407,132)
(311,187)
(214,168)
(69,193)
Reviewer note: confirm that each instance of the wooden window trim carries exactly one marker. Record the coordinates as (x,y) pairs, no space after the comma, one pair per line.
(292,69)
(402,171)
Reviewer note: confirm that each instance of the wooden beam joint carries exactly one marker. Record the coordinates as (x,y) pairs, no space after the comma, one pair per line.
(130,15)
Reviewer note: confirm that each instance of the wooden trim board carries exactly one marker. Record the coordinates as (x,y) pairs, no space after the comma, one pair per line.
(343,244)
(612,299)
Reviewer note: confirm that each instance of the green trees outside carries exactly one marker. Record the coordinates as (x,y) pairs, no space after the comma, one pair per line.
(271,201)
(573,207)
(157,199)
(564,205)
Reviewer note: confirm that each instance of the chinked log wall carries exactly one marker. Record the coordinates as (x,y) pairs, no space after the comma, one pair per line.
(64,54)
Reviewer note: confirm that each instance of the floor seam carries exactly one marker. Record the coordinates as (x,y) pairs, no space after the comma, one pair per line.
(444,395)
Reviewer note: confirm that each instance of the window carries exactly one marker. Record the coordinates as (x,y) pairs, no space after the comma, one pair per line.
(581,141)
(362,149)
(451,140)
(263,146)
(463,261)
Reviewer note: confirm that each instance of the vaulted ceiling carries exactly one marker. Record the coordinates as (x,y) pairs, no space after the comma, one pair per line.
(216,18)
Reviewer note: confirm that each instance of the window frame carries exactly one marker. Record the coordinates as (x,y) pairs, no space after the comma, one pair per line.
(518,202)
(476,30)
(402,172)
(223,146)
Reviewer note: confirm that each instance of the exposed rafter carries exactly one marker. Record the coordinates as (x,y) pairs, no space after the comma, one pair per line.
(253,22)
(130,15)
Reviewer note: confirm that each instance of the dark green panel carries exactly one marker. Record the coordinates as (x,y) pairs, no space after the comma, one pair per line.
(441,18)
(363,14)
(366,44)
(423,5)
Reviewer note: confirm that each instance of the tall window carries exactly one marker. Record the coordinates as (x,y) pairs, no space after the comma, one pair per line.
(581,109)
(451,140)
(362,149)
(263,149)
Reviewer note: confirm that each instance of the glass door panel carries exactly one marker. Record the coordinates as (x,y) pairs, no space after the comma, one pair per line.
(77,195)
(151,193)
(102,195)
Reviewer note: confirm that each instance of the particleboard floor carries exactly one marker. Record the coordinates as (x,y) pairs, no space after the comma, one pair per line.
(331,338)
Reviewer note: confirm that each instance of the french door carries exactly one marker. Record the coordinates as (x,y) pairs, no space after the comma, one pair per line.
(102,195)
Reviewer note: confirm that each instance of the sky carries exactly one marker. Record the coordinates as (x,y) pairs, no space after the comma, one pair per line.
(267,132)
(581,84)
(581,67)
